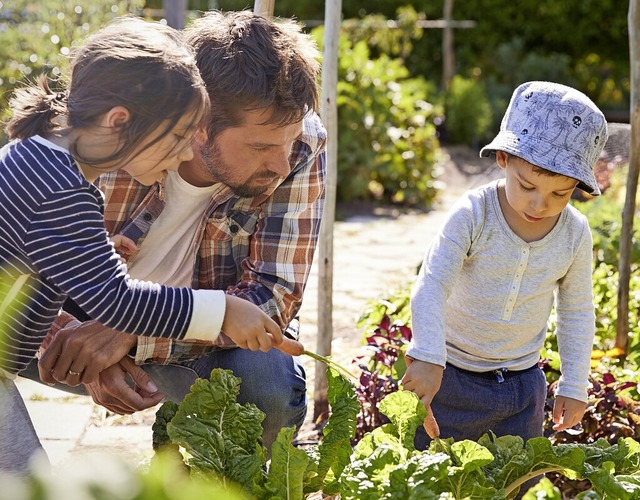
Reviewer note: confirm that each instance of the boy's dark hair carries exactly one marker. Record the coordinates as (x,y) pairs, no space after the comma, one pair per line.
(144,66)
(249,63)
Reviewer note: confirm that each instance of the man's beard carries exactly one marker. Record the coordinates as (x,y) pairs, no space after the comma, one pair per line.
(221,172)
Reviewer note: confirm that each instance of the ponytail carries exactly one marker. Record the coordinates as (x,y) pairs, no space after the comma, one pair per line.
(34,110)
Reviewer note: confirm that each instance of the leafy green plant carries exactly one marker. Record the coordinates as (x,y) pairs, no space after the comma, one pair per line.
(384,464)
(468,112)
(388,149)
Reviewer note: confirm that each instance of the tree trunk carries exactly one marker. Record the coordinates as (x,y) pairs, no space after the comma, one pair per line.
(448,55)
(329,114)
(626,232)
(264,8)
(175,12)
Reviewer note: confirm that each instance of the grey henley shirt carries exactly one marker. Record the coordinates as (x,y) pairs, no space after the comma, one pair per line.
(483,297)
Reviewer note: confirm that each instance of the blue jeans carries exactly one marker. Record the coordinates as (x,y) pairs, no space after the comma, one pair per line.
(275,382)
(469,405)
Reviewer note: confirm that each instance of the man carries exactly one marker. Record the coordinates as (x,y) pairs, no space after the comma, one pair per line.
(242,216)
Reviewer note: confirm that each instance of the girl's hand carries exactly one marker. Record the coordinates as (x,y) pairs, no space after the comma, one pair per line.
(126,247)
(249,327)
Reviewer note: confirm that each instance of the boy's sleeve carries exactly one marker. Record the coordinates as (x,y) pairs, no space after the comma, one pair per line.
(576,322)
(442,263)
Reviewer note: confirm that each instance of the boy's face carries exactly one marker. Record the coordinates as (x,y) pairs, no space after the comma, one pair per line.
(532,193)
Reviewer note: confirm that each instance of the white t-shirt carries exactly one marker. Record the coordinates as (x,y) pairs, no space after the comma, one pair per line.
(168,251)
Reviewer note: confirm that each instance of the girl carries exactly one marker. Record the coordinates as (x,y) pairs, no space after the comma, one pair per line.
(134,101)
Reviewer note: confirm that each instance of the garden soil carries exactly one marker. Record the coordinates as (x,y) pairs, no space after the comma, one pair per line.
(376,250)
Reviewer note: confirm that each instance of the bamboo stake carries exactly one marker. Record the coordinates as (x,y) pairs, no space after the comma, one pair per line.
(626,231)
(329,113)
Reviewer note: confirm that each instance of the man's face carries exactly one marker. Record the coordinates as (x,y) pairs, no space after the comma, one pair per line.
(252,158)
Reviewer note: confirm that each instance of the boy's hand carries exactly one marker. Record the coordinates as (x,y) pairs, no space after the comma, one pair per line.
(124,246)
(248,326)
(424,379)
(567,412)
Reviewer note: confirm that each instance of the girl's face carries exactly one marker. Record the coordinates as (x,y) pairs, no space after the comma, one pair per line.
(534,196)
(149,165)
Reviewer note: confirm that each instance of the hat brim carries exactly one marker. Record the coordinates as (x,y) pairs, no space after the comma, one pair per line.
(509,143)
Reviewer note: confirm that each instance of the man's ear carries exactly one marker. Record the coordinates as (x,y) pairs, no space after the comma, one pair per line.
(501,159)
(116,117)
(201,134)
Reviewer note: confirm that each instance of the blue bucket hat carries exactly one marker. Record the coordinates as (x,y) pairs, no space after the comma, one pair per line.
(554,127)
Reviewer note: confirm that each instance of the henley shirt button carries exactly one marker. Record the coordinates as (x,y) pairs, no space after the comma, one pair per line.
(148,217)
(234,229)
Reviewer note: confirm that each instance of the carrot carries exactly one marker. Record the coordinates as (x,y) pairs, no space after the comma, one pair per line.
(290,346)
(295,348)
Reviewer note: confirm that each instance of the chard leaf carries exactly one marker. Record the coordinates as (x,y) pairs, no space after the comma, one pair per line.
(540,456)
(544,489)
(366,478)
(384,435)
(603,481)
(625,455)
(466,479)
(222,437)
(287,468)
(335,449)
(406,412)
(418,477)
(470,455)
(164,415)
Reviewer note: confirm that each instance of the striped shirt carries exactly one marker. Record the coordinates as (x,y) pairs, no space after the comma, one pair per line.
(259,248)
(52,231)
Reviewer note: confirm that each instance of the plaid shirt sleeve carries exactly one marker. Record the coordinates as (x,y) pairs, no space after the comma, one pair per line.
(276,265)
(281,249)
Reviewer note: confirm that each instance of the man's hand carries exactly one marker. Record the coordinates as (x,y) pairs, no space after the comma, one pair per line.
(112,391)
(78,354)
(567,412)
(248,326)
(424,379)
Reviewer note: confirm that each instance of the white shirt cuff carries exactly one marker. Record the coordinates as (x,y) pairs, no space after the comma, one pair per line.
(208,315)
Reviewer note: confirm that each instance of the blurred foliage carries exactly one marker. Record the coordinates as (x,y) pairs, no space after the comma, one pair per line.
(102,476)
(468,112)
(388,147)
(36,37)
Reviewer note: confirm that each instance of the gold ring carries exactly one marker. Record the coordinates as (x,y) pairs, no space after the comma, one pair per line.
(75,374)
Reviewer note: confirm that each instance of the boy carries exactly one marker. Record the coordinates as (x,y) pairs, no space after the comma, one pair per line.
(507,253)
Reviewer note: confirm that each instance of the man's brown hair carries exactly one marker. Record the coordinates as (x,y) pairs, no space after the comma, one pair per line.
(249,62)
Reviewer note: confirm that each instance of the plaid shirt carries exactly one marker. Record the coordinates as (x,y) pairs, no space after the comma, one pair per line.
(259,248)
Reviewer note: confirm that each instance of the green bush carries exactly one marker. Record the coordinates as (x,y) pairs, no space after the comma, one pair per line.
(468,112)
(387,143)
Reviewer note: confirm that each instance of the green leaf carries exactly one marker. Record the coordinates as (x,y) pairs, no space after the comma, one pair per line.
(418,477)
(287,467)
(222,437)
(544,489)
(164,415)
(335,449)
(406,412)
